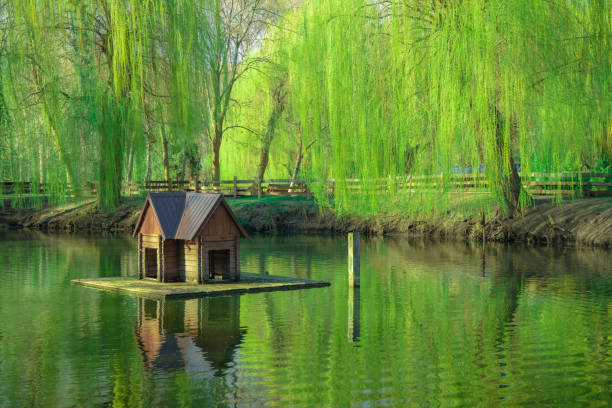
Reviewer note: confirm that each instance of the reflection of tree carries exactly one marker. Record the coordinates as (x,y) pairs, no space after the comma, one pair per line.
(110,260)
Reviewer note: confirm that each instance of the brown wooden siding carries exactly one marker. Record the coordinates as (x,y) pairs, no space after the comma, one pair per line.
(181,260)
(149,223)
(209,246)
(150,263)
(221,224)
(150,241)
(191,261)
(171,261)
(237,258)
(140,260)
(145,265)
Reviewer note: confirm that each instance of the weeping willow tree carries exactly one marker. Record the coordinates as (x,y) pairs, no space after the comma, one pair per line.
(397,89)
(385,92)
(92,84)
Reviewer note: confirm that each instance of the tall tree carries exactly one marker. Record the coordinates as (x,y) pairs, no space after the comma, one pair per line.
(236,28)
(279,95)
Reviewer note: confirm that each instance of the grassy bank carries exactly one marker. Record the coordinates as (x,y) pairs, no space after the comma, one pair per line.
(585,222)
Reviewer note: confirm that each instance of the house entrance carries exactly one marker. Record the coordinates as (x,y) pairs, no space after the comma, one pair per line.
(219,262)
(150,263)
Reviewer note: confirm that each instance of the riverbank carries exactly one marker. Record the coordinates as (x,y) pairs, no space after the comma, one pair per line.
(586,222)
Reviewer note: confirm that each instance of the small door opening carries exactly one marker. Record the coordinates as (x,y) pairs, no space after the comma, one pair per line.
(150,264)
(219,262)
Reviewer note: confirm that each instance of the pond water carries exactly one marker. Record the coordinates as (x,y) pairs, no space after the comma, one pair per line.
(434,324)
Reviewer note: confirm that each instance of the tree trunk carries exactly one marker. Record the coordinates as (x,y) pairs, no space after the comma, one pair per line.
(264,155)
(298,164)
(508,176)
(110,170)
(130,164)
(216,151)
(165,154)
(148,159)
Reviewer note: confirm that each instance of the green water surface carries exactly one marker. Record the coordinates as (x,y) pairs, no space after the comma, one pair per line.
(433,325)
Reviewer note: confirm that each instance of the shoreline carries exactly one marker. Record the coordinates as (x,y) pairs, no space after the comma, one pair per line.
(584,222)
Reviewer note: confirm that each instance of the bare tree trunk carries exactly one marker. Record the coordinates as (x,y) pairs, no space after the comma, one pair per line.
(298,163)
(165,153)
(164,140)
(130,164)
(216,151)
(264,155)
(40,166)
(148,175)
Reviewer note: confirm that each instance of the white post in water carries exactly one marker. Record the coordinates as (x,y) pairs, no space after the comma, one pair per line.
(353,259)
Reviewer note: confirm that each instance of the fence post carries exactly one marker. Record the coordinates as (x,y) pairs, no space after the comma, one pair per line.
(235,187)
(308,192)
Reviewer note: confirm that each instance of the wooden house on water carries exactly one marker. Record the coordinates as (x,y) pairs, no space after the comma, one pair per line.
(188,237)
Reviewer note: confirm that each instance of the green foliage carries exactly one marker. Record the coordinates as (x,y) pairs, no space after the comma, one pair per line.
(105,89)
(100,79)
(412,88)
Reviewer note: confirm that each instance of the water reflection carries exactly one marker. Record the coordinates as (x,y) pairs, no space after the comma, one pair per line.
(424,329)
(198,334)
(354,314)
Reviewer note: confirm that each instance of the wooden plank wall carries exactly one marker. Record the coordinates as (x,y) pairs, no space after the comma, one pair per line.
(150,262)
(221,225)
(151,242)
(140,258)
(237,258)
(210,245)
(171,261)
(191,261)
(149,223)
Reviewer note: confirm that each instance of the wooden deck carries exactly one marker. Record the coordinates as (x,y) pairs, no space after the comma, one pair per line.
(249,283)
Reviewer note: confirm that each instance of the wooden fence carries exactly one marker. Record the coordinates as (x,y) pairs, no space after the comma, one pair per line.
(538,185)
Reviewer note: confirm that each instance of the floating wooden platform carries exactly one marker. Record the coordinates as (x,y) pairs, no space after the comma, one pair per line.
(249,283)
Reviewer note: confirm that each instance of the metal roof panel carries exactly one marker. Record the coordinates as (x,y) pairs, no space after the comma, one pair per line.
(169,209)
(183,215)
(198,207)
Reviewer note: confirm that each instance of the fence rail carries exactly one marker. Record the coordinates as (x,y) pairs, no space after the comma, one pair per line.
(538,185)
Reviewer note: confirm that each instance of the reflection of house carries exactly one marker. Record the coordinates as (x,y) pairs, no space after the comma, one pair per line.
(198,334)
(188,237)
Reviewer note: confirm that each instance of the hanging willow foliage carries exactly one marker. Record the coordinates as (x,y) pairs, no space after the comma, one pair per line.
(383,92)
(96,79)
(406,88)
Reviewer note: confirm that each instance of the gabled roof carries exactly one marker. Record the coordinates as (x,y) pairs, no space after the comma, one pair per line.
(184,215)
